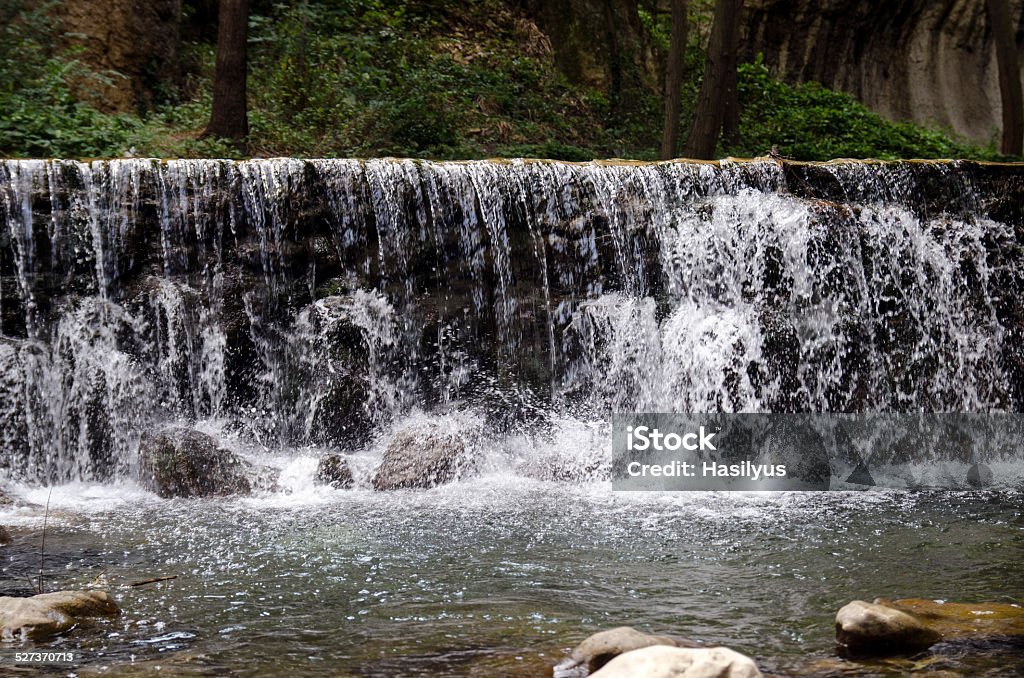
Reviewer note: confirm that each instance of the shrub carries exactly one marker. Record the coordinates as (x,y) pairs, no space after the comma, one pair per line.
(811,122)
(39,115)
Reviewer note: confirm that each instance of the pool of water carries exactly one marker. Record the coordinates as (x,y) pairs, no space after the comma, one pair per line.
(500,576)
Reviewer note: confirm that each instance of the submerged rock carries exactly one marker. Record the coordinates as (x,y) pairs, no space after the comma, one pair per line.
(421,458)
(888,627)
(49,614)
(182,462)
(660,661)
(874,628)
(963,620)
(333,470)
(602,647)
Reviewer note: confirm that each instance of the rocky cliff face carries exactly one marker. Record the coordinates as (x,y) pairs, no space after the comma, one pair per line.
(932,62)
(135,39)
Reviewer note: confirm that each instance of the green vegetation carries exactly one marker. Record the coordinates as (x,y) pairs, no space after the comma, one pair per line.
(810,122)
(446,79)
(39,115)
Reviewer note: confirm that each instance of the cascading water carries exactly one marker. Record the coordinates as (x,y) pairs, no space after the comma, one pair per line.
(312,302)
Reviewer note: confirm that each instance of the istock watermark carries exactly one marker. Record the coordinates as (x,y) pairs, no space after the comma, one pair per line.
(754,452)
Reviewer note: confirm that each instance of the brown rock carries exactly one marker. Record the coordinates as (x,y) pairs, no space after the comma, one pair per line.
(963,620)
(49,614)
(137,40)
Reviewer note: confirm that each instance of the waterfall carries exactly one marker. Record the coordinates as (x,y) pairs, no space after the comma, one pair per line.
(313,302)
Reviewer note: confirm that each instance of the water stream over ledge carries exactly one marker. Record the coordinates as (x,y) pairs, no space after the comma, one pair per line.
(295,308)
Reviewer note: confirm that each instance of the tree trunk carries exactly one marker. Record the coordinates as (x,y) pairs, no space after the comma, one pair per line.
(674,80)
(730,93)
(1009,76)
(229,117)
(719,72)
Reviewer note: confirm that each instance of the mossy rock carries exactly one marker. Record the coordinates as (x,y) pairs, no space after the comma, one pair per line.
(892,627)
(182,462)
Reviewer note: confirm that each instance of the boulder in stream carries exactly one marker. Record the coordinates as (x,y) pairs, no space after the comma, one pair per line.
(600,648)
(333,470)
(888,627)
(962,620)
(874,628)
(49,614)
(422,457)
(661,661)
(182,462)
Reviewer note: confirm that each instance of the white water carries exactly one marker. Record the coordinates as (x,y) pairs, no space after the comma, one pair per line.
(312,305)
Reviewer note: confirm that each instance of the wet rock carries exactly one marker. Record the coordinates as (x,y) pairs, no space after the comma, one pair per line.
(979,475)
(962,620)
(874,628)
(182,462)
(333,470)
(861,475)
(5,536)
(602,647)
(660,661)
(49,614)
(421,457)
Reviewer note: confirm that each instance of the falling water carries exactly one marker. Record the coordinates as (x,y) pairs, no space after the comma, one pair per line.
(313,302)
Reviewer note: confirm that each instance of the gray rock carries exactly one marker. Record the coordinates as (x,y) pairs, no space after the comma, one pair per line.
(660,661)
(182,462)
(333,470)
(602,647)
(421,457)
(979,475)
(49,614)
(870,628)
